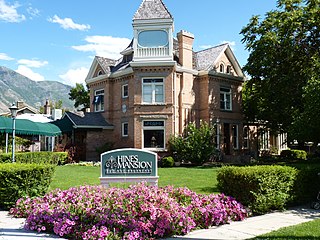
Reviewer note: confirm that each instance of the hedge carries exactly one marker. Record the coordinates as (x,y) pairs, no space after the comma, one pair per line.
(294,154)
(56,158)
(261,188)
(19,180)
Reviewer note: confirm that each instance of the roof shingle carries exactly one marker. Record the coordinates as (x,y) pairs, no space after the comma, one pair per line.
(152,9)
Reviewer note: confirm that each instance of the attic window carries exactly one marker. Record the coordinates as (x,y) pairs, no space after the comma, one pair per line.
(100,73)
(228,69)
(221,67)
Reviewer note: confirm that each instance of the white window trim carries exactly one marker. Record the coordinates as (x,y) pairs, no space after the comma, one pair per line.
(101,108)
(154,128)
(235,138)
(122,129)
(153,100)
(225,94)
(122,90)
(246,137)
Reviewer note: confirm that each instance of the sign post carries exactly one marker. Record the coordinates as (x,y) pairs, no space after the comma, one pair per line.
(129,165)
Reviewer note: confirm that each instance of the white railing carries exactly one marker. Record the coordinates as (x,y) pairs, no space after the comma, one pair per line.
(152,52)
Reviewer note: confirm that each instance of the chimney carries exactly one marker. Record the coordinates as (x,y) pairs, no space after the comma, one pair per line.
(47,108)
(185,40)
(20,104)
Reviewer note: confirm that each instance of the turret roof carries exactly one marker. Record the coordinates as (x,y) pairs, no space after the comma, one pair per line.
(152,9)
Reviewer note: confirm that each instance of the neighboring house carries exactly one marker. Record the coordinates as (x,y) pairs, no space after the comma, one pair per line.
(83,134)
(23,108)
(160,85)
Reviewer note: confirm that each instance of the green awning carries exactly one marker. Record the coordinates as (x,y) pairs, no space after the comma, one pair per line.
(27,127)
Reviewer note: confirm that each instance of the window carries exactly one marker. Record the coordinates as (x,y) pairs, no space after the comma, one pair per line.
(153,134)
(153,90)
(221,67)
(100,73)
(228,69)
(153,38)
(98,101)
(235,136)
(125,92)
(246,137)
(225,99)
(124,129)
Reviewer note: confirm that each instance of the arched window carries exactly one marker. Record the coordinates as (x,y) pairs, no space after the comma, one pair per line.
(100,73)
(228,69)
(221,67)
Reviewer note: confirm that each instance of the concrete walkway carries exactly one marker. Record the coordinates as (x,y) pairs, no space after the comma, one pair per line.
(12,228)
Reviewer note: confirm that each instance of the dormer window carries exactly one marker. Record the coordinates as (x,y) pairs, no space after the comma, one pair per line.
(153,38)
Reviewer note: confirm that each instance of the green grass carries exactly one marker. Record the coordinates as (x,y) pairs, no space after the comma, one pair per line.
(198,179)
(309,230)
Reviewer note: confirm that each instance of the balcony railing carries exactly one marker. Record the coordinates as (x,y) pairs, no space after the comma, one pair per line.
(152,52)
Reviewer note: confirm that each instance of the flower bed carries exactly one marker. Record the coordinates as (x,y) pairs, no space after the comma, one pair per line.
(139,212)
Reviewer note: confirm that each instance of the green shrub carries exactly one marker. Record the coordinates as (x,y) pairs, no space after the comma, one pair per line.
(293,154)
(56,158)
(307,184)
(195,145)
(261,188)
(167,162)
(20,180)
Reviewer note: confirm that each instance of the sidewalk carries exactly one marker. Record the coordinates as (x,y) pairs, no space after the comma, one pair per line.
(254,226)
(12,228)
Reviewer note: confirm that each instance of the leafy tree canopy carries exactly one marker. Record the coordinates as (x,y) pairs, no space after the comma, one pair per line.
(80,95)
(284,89)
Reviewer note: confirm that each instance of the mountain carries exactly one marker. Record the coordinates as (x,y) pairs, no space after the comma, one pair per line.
(16,87)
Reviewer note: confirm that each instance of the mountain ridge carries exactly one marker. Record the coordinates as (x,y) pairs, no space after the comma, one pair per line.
(16,87)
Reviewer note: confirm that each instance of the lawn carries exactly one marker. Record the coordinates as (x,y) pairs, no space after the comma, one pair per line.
(309,230)
(198,179)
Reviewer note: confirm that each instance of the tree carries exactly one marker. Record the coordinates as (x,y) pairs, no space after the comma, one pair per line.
(80,95)
(195,145)
(284,67)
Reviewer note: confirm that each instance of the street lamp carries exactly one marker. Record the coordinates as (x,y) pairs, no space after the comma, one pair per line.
(13,110)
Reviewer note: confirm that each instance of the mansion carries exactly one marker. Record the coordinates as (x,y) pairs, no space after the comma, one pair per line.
(158,86)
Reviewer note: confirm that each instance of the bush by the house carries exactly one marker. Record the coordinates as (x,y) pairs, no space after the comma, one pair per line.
(56,158)
(19,180)
(196,145)
(167,162)
(307,184)
(139,212)
(293,154)
(261,188)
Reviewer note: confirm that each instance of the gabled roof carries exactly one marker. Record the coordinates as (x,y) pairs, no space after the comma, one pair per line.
(88,120)
(152,9)
(205,59)
(105,63)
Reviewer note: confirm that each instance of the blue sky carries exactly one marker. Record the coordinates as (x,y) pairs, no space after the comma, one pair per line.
(58,39)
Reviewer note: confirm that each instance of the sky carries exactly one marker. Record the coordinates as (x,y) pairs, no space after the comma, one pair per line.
(58,39)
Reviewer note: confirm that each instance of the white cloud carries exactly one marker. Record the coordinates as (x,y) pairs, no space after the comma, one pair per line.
(34,12)
(32,63)
(5,57)
(68,23)
(232,44)
(25,71)
(104,46)
(8,13)
(74,76)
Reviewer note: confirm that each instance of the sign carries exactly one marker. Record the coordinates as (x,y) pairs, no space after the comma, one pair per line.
(129,165)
